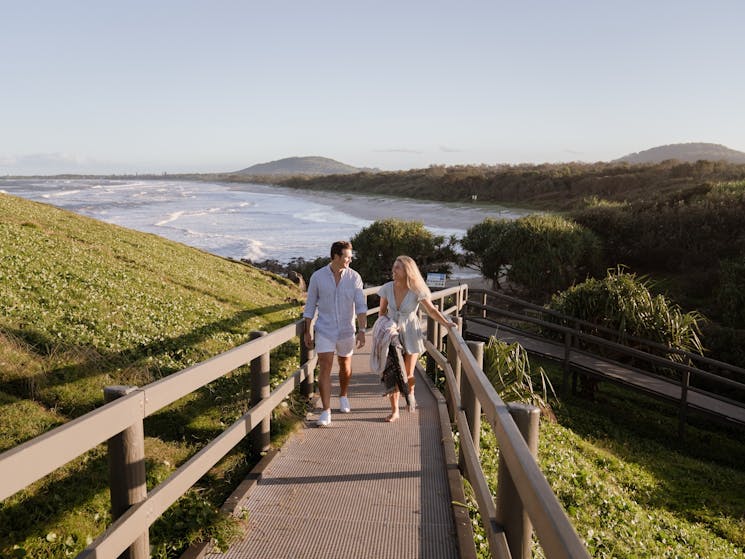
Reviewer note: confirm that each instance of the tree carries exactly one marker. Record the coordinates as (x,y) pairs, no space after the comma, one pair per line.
(541,252)
(482,244)
(548,252)
(377,246)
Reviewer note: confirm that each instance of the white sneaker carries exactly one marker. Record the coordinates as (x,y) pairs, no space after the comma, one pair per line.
(325,419)
(344,404)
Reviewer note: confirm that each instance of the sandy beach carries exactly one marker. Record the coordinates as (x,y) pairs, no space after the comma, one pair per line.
(446,215)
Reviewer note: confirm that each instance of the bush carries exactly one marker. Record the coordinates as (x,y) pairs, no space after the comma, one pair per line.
(695,228)
(482,244)
(624,303)
(541,252)
(731,292)
(377,246)
(548,252)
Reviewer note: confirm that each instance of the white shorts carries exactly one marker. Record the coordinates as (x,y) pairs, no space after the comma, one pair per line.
(343,347)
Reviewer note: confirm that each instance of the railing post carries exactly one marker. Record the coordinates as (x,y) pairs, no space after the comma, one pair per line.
(306,354)
(455,365)
(432,338)
(127,481)
(260,389)
(567,351)
(471,405)
(439,305)
(683,411)
(483,302)
(511,514)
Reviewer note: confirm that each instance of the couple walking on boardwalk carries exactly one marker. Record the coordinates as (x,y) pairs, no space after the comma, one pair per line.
(336,292)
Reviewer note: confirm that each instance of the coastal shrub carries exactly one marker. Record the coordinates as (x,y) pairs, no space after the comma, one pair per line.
(726,344)
(482,247)
(731,292)
(624,303)
(694,228)
(541,252)
(555,186)
(377,246)
(549,252)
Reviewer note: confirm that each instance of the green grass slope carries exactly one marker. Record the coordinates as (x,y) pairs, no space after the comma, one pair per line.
(630,487)
(83,305)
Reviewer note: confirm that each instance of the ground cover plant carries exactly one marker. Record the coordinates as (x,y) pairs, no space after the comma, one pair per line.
(85,305)
(629,486)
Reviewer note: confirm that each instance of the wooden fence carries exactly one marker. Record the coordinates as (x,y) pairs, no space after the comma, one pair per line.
(720,381)
(524,500)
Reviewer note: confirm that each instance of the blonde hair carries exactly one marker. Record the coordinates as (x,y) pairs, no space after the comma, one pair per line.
(414,279)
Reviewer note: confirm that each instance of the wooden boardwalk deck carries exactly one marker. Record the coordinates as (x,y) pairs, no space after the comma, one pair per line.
(360,488)
(615,372)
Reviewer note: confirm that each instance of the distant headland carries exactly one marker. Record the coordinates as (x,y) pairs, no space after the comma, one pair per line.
(311,165)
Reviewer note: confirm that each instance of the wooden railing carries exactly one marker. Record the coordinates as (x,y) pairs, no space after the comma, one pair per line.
(120,423)
(524,500)
(685,367)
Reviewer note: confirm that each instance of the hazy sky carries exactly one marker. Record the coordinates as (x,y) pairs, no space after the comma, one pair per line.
(172,86)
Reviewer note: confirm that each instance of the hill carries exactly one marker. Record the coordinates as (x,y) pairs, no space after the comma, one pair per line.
(301,166)
(689,153)
(86,304)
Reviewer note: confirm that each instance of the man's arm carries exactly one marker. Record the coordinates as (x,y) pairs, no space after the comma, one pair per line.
(309,311)
(360,307)
(361,329)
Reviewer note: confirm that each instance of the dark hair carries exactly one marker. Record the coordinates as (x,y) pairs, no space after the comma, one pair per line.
(338,247)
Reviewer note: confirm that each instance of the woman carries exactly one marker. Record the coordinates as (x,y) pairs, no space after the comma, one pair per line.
(399,300)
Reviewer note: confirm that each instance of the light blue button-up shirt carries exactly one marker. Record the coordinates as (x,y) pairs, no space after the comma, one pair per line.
(337,304)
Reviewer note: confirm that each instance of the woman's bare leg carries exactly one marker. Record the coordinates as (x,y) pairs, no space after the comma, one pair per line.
(410,364)
(394,407)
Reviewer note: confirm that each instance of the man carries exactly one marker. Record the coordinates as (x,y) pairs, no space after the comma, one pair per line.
(336,290)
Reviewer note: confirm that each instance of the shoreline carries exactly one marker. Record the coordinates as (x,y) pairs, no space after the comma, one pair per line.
(374,207)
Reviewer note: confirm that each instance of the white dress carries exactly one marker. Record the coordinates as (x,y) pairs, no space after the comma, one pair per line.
(409,328)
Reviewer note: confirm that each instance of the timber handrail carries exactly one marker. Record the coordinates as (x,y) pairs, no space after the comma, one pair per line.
(695,357)
(621,348)
(571,335)
(34,459)
(552,526)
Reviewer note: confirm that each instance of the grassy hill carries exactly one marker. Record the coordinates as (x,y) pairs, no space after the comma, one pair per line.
(85,305)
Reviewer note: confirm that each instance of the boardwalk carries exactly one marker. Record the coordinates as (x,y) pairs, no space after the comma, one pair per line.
(604,368)
(360,488)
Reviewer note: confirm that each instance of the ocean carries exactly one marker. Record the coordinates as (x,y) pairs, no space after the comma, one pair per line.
(246,221)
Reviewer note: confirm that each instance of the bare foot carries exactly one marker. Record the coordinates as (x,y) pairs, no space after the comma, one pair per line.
(392,417)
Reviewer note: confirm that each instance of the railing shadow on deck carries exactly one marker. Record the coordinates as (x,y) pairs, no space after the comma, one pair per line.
(120,422)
